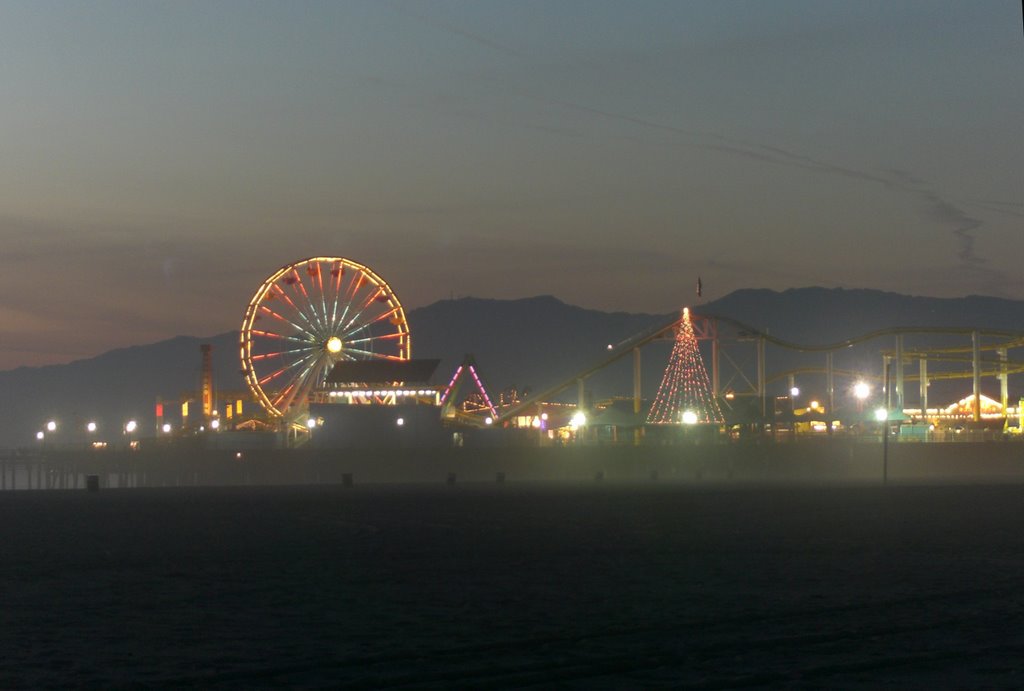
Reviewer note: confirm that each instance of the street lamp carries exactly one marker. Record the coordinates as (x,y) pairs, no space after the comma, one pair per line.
(40,435)
(130,426)
(90,427)
(51,426)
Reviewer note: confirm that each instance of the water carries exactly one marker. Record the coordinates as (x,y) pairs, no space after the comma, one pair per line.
(589,586)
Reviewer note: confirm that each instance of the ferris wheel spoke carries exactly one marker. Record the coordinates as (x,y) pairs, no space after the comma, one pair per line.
(354,284)
(280,395)
(292,365)
(366,304)
(382,337)
(338,272)
(304,381)
(323,298)
(309,301)
(277,336)
(316,286)
(284,296)
(282,353)
(266,310)
(363,325)
(374,356)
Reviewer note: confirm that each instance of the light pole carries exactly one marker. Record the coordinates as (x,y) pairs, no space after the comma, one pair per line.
(129,428)
(885,432)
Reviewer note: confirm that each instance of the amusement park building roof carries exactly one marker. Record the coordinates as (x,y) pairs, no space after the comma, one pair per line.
(382,371)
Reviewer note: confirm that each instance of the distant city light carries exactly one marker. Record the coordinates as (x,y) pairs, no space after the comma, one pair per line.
(861,390)
(578,420)
(166,428)
(881,414)
(215,424)
(40,435)
(91,427)
(814,405)
(794,392)
(488,420)
(334,344)
(130,426)
(51,426)
(311,423)
(689,417)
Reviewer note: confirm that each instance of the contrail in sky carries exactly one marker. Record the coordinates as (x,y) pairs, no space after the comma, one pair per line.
(943,209)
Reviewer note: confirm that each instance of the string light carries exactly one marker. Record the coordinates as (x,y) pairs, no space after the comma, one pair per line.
(685,386)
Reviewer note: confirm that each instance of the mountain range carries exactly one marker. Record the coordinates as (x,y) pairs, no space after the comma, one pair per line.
(530,343)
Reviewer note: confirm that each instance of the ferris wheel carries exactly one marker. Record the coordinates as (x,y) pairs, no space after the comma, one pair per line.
(309,315)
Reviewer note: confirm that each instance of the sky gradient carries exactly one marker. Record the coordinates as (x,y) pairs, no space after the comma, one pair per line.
(158,160)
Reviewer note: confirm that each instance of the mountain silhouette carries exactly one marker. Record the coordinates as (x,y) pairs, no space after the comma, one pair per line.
(529,343)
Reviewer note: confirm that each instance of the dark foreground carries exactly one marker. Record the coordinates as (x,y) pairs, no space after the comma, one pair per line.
(596,586)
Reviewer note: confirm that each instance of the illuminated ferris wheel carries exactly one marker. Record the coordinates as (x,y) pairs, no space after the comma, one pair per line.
(309,315)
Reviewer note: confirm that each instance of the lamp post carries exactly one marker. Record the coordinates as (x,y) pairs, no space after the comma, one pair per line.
(885,431)
(129,428)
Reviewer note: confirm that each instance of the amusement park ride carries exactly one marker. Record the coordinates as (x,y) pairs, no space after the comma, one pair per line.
(327,336)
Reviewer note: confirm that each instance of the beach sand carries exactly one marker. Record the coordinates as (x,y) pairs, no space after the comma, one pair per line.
(514,586)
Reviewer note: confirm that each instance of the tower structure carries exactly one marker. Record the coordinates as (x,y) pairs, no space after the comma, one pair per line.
(685,393)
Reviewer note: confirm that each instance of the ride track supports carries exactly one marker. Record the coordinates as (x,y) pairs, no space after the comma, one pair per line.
(922,368)
(637,398)
(761,384)
(976,375)
(1004,393)
(830,389)
(716,390)
(886,387)
(898,389)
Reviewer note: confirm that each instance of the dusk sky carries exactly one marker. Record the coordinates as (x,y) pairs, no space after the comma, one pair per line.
(158,160)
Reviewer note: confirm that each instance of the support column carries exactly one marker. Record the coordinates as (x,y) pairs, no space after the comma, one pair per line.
(636,381)
(886,384)
(898,389)
(976,370)
(715,384)
(923,370)
(1004,393)
(637,397)
(830,390)
(761,376)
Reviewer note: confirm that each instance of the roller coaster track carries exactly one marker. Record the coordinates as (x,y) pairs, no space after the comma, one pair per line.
(1014,339)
